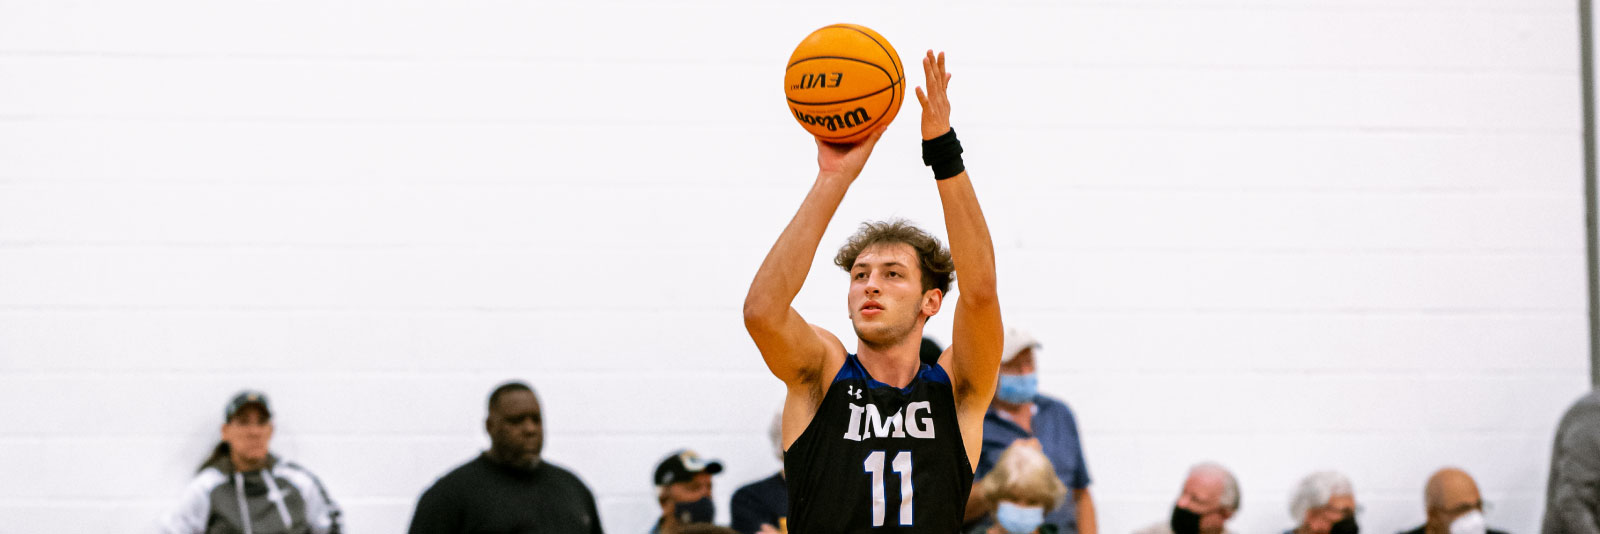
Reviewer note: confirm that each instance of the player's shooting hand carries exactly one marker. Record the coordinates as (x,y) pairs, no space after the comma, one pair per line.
(847,160)
(935,102)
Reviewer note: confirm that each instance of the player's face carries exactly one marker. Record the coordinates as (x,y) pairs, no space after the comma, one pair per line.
(516,427)
(886,298)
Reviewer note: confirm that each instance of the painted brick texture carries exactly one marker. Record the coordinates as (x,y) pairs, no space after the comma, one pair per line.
(1286,236)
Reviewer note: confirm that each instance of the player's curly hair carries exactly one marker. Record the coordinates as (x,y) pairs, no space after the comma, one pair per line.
(938,270)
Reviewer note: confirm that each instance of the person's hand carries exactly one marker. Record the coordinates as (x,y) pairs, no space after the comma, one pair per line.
(935,103)
(767,528)
(848,159)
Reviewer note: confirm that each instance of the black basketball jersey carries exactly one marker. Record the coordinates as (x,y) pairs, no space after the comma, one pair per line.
(880,459)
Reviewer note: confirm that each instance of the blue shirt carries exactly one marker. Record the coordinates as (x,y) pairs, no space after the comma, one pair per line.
(1057,431)
(765,501)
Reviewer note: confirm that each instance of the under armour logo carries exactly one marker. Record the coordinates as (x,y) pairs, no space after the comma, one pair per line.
(852,391)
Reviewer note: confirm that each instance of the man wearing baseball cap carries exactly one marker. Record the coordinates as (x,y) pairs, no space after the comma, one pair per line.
(1019,412)
(683,487)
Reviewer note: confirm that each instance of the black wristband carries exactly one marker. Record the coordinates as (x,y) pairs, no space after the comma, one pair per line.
(943,153)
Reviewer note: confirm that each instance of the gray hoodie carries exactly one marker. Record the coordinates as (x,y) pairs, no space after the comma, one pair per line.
(280,498)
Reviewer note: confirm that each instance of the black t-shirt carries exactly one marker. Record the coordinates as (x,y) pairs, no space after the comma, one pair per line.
(486,497)
(763,501)
(880,459)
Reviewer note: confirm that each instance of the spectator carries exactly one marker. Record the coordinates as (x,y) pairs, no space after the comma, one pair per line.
(1572,498)
(763,505)
(1019,412)
(1453,505)
(683,488)
(242,487)
(1209,498)
(509,488)
(1324,503)
(1019,492)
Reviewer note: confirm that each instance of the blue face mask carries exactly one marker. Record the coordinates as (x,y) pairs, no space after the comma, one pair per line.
(1017,519)
(1018,389)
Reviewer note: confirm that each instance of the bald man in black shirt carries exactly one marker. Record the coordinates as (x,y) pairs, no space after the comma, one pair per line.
(509,488)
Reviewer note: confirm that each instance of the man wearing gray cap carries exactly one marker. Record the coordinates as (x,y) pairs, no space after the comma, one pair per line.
(1019,412)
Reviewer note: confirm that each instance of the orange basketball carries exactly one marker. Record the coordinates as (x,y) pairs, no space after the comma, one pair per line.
(843,81)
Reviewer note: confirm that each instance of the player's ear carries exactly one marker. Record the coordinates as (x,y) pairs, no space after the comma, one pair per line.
(932,299)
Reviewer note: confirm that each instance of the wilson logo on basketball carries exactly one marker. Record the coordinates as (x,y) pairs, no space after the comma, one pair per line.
(834,122)
(821,80)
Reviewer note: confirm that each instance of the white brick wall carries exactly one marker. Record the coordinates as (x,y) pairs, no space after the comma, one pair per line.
(1286,235)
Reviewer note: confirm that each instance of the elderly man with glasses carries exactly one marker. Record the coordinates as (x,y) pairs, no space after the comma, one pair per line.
(1453,505)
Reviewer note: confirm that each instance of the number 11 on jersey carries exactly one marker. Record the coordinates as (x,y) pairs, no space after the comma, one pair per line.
(902,465)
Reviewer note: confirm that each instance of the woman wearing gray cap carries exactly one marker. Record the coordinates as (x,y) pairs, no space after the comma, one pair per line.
(243,488)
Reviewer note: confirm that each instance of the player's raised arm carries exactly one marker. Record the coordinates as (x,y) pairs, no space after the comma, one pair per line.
(977,336)
(793,349)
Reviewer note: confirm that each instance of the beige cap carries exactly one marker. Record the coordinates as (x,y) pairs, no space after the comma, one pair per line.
(1017,339)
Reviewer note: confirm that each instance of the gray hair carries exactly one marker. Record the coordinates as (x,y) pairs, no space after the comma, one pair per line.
(1316,490)
(1230,485)
(1022,474)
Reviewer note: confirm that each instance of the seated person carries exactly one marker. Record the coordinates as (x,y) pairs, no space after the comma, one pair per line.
(1209,498)
(763,505)
(1324,503)
(683,487)
(1453,505)
(1019,491)
(1020,412)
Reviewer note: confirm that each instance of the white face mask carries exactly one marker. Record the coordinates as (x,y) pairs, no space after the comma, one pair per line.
(1470,523)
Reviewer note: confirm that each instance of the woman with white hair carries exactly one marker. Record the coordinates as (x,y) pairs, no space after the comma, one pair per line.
(1021,489)
(1324,503)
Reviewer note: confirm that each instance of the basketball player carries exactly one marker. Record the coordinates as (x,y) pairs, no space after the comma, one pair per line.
(876,441)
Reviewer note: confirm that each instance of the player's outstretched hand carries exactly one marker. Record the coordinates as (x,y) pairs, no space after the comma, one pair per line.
(846,159)
(935,102)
